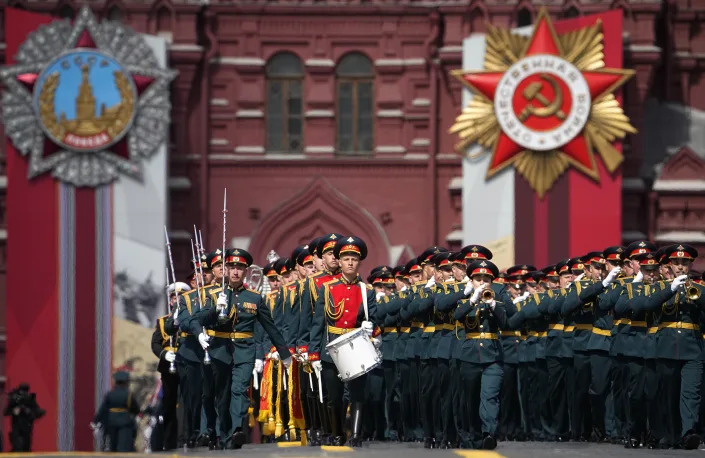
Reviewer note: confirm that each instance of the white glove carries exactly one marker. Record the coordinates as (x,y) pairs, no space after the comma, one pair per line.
(476,295)
(304,356)
(611,276)
(376,342)
(222,300)
(639,277)
(431,282)
(579,277)
(317,367)
(468,289)
(259,366)
(203,340)
(518,299)
(380,295)
(368,326)
(274,356)
(466,279)
(95,426)
(493,304)
(678,282)
(287,363)
(404,288)
(170,356)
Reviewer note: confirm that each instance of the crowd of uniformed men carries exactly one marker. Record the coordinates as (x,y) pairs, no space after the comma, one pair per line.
(604,347)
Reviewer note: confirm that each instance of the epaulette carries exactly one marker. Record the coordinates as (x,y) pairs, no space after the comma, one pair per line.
(252,291)
(272,293)
(216,290)
(369,287)
(330,281)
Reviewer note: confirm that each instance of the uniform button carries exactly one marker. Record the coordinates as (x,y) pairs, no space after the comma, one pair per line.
(348,287)
(481,326)
(481,344)
(347,298)
(346,310)
(679,331)
(345,322)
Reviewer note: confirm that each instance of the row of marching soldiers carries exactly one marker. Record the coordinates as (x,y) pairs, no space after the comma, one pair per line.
(606,346)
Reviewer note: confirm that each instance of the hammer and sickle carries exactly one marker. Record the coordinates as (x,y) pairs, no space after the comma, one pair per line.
(549,108)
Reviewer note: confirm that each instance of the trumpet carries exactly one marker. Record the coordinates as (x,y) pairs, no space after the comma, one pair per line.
(487,295)
(692,292)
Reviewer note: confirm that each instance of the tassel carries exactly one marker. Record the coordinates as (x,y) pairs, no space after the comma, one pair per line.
(279,426)
(290,400)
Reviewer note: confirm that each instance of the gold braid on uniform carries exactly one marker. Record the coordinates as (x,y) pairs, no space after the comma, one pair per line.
(334,312)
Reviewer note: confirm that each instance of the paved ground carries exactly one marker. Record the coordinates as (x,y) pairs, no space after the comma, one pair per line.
(384,450)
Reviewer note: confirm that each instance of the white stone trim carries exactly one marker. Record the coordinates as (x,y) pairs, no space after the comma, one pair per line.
(644,48)
(390,149)
(421,142)
(249,114)
(681,236)
(179,183)
(679,185)
(180,235)
(421,102)
(448,156)
(451,49)
(187,47)
(252,149)
(414,61)
(3,181)
(240,242)
(417,156)
(218,102)
(218,142)
(455,184)
(397,62)
(3,234)
(633,235)
(319,114)
(238,61)
(328,63)
(455,236)
(390,114)
(3,45)
(319,149)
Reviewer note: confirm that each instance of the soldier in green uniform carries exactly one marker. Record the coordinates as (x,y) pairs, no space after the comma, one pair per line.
(233,347)
(117,415)
(322,250)
(679,347)
(591,344)
(633,341)
(164,347)
(481,358)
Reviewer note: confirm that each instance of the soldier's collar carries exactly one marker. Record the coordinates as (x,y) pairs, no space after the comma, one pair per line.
(239,288)
(345,282)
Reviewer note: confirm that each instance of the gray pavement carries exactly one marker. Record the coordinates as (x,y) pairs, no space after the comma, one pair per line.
(396,450)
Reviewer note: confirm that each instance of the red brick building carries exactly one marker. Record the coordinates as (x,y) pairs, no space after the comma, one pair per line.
(322,115)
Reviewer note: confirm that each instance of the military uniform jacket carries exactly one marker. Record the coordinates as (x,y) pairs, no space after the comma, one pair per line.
(339,310)
(582,304)
(118,409)
(189,348)
(262,341)
(619,321)
(678,336)
(416,327)
(390,330)
(421,309)
(234,339)
(309,296)
(393,310)
(632,338)
(482,326)
(560,329)
(161,341)
(445,302)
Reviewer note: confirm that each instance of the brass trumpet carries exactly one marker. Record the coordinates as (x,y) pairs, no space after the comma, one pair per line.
(692,292)
(487,295)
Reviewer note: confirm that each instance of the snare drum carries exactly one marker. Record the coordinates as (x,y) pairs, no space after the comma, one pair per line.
(354,354)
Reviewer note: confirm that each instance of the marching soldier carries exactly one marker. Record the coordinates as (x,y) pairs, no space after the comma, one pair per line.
(481,358)
(164,341)
(117,415)
(343,305)
(232,315)
(679,347)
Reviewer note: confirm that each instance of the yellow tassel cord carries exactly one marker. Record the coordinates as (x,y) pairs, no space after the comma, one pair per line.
(279,426)
(292,424)
(266,416)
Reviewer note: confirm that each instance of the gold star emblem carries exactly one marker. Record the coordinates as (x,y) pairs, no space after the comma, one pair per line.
(680,247)
(619,250)
(218,251)
(333,237)
(642,244)
(350,240)
(483,263)
(474,249)
(236,252)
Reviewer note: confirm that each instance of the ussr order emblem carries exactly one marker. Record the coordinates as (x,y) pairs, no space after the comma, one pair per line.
(544,103)
(86,101)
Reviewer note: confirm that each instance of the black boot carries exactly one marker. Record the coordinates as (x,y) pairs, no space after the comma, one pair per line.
(337,437)
(237,440)
(356,413)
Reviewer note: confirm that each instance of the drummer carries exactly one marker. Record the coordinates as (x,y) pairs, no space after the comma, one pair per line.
(340,309)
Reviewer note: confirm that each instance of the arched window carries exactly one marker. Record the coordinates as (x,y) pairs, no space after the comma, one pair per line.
(524,17)
(114,14)
(355,80)
(66,12)
(571,12)
(284,103)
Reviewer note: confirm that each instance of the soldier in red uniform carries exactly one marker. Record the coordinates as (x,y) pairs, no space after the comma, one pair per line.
(339,310)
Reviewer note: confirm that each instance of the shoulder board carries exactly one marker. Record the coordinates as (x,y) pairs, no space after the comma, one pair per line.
(216,290)
(563,291)
(329,282)
(252,291)
(272,294)
(550,293)
(630,290)
(369,287)
(187,299)
(316,275)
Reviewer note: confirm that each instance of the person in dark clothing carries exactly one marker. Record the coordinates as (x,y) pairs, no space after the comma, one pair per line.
(117,415)
(23,408)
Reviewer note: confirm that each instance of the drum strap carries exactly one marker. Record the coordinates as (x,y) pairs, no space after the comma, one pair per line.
(363,289)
